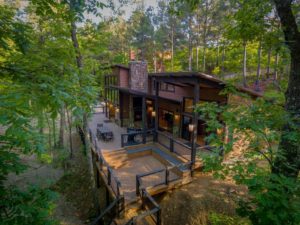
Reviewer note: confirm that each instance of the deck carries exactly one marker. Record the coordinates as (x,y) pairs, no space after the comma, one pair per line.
(126,163)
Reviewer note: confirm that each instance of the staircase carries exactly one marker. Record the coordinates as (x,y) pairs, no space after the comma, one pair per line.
(116,158)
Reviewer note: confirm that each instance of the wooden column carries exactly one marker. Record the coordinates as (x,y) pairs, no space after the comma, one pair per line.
(156,108)
(121,108)
(144,115)
(105,94)
(195,123)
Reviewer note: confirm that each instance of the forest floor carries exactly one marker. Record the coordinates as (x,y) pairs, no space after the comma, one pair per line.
(71,182)
(204,201)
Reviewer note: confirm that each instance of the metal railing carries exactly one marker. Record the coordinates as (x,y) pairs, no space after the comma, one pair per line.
(111,179)
(137,137)
(174,145)
(163,176)
(109,213)
(152,207)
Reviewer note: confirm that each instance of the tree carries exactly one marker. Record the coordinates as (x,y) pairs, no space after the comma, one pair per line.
(287,161)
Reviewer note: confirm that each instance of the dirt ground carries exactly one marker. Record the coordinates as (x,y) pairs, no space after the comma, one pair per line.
(192,203)
(76,189)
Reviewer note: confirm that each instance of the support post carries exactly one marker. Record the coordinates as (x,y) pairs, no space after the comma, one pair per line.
(156,109)
(144,119)
(195,123)
(105,94)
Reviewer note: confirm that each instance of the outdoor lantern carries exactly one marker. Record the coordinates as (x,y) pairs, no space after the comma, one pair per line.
(176,117)
(191,127)
(153,114)
(150,108)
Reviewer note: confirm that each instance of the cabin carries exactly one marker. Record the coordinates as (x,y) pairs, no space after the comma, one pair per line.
(157,135)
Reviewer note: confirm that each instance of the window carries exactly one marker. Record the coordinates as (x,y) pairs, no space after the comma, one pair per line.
(188,104)
(165,87)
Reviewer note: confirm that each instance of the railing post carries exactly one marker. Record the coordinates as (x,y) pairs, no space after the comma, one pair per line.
(101,163)
(143,199)
(97,179)
(144,136)
(158,217)
(137,191)
(122,140)
(167,176)
(171,144)
(108,176)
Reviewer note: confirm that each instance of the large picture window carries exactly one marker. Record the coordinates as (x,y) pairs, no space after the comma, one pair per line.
(188,104)
(166,120)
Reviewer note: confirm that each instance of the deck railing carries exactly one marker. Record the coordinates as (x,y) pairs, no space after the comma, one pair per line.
(152,207)
(137,137)
(158,177)
(174,145)
(109,213)
(111,179)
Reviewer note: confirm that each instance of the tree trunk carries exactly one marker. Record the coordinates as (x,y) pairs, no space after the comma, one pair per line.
(245,64)
(62,128)
(84,118)
(190,43)
(269,62)
(172,48)
(70,132)
(223,61)
(49,132)
(287,161)
(258,67)
(197,58)
(54,132)
(276,66)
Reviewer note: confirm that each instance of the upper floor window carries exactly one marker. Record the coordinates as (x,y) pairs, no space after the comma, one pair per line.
(164,87)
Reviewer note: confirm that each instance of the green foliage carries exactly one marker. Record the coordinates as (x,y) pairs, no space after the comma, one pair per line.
(26,207)
(272,199)
(220,219)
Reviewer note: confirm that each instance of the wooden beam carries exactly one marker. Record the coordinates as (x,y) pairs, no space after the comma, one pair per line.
(156,108)
(144,118)
(195,123)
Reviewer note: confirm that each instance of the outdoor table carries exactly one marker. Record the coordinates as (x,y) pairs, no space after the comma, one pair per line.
(104,132)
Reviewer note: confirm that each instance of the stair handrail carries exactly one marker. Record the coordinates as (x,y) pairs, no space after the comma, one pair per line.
(156,210)
(118,200)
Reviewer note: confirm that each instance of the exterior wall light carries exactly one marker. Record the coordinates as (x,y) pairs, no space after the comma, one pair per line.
(150,108)
(153,113)
(191,127)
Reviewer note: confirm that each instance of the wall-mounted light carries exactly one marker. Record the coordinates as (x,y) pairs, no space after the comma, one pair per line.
(191,127)
(150,108)
(153,113)
(176,117)
(117,109)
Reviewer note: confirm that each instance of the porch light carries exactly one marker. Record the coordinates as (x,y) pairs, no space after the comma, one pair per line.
(191,127)
(153,113)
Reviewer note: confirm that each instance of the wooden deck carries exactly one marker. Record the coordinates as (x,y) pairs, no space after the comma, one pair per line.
(125,167)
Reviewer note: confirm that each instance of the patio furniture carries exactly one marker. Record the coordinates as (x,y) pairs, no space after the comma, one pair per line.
(104,133)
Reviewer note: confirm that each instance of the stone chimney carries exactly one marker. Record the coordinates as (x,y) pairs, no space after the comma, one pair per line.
(138,79)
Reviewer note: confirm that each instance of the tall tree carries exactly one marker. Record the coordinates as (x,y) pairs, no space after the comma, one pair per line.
(288,159)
